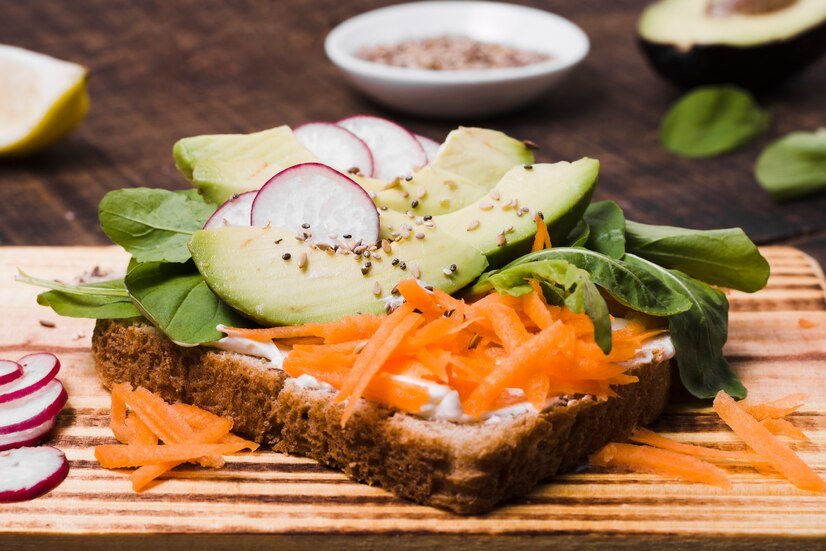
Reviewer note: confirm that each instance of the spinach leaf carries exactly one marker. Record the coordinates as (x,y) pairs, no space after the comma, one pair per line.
(724,257)
(578,236)
(793,166)
(607,228)
(712,120)
(564,282)
(99,300)
(153,224)
(698,334)
(177,300)
(627,284)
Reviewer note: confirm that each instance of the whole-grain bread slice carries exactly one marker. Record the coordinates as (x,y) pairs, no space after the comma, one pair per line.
(465,468)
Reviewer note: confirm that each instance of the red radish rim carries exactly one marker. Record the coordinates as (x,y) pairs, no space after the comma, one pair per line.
(9,371)
(50,410)
(336,173)
(367,149)
(18,389)
(44,486)
(227,204)
(28,437)
(411,134)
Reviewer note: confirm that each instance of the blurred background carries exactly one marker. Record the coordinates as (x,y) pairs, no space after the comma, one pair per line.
(164,70)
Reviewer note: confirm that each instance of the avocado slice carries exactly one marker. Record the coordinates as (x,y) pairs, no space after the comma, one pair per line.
(756,44)
(258,272)
(276,146)
(493,225)
(469,163)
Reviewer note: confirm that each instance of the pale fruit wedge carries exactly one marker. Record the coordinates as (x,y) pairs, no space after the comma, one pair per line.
(41,99)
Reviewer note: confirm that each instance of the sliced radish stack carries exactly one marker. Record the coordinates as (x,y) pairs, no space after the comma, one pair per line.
(27,437)
(234,212)
(396,152)
(33,409)
(431,147)
(27,473)
(38,370)
(314,199)
(336,146)
(9,371)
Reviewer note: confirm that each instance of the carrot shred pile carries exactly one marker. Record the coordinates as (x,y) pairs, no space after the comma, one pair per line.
(542,239)
(483,350)
(756,424)
(140,420)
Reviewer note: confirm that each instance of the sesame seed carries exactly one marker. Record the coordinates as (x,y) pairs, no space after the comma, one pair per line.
(410,214)
(395,261)
(395,291)
(377,288)
(453,267)
(428,217)
(302,261)
(353,170)
(429,224)
(372,195)
(414,270)
(418,221)
(472,225)
(529,144)
(383,207)
(405,194)
(485,206)
(408,178)
(450,312)
(365,269)
(333,236)
(447,272)
(419,235)
(541,216)
(528,167)
(305,225)
(367,254)
(509,229)
(279,240)
(414,203)
(403,265)
(286,256)
(428,288)
(474,341)
(501,240)
(385,246)
(421,192)
(495,195)
(347,236)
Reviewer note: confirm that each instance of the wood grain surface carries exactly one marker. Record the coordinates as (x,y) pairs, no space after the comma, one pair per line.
(273,500)
(163,70)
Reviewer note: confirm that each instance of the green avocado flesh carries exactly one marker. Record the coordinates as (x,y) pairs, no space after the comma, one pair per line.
(469,163)
(245,266)
(560,191)
(276,147)
(685,23)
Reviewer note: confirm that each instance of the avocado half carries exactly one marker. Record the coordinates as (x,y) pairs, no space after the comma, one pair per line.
(756,44)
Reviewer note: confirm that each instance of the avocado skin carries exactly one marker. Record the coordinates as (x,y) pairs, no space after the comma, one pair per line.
(756,68)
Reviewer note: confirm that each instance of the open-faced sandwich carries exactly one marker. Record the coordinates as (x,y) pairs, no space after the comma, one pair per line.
(453,322)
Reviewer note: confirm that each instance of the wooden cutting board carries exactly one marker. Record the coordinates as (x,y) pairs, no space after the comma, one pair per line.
(276,500)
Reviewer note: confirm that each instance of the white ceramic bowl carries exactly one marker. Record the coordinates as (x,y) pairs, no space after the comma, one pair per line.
(457,94)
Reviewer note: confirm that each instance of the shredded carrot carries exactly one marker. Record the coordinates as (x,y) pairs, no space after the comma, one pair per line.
(117,413)
(776,409)
(348,328)
(765,444)
(662,462)
(645,436)
(139,432)
(806,323)
(782,427)
(542,239)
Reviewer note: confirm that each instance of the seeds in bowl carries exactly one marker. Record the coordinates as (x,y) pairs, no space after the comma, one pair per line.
(450,53)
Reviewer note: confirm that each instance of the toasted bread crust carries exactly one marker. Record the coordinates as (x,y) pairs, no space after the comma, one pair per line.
(465,468)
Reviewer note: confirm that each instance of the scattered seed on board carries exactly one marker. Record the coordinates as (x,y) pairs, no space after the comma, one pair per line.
(302,261)
(472,225)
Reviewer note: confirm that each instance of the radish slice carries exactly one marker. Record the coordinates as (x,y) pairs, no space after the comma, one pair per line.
(316,200)
(336,147)
(27,473)
(431,147)
(396,152)
(27,437)
(235,212)
(9,371)
(32,410)
(38,370)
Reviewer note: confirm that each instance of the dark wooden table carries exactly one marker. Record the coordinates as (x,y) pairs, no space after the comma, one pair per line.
(162,70)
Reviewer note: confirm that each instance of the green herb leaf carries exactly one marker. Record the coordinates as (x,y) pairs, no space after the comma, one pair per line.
(630,286)
(712,120)
(578,236)
(698,334)
(563,281)
(725,257)
(99,300)
(177,300)
(607,228)
(793,166)
(153,224)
